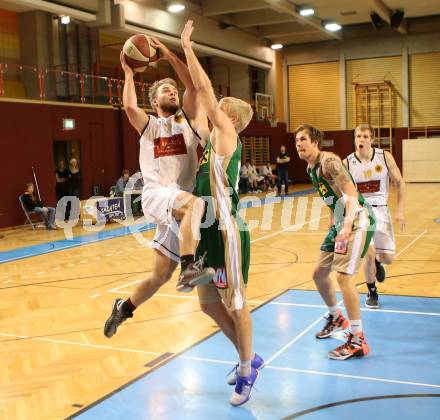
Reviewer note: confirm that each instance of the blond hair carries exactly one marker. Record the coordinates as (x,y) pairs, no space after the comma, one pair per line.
(152,92)
(365,127)
(241,109)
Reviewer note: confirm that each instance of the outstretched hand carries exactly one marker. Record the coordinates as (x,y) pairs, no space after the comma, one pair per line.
(127,69)
(164,52)
(185,37)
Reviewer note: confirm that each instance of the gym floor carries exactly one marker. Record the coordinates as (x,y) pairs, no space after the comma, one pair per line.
(170,361)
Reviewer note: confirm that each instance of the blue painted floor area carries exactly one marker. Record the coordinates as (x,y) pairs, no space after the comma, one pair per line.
(400,379)
(44,248)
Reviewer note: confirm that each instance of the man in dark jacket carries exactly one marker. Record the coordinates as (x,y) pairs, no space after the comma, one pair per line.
(32,203)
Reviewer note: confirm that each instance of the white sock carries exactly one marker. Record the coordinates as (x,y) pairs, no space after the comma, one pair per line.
(355,326)
(244,368)
(334,310)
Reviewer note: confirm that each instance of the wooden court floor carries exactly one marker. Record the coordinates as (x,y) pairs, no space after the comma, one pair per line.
(54,357)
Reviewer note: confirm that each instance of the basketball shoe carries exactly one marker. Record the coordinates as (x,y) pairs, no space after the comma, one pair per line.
(243,388)
(117,317)
(193,275)
(257,363)
(338,323)
(355,346)
(372,300)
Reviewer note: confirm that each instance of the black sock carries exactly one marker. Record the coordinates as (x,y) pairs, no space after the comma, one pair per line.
(372,287)
(127,306)
(186,260)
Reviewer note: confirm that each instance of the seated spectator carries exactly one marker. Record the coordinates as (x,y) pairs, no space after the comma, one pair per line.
(254,178)
(32,203)
(248,172)
(269,177)
(122,183)
(244,179)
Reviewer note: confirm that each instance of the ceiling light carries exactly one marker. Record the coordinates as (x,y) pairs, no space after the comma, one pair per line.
(176,7)
(306,12)
(65,20)
(332,27)
(276,46)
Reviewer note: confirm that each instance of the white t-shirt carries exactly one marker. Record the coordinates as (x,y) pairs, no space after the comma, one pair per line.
(253,171)
(168,153)
(244,171)
(264,171)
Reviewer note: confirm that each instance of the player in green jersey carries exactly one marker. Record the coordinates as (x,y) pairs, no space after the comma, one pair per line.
(347,242)
(224,236)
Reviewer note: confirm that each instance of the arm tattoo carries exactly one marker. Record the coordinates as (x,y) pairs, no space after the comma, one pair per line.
(335,169)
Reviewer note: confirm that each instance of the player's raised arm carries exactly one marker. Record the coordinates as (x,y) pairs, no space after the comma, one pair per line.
(203,85)
(137,117)
(191,103)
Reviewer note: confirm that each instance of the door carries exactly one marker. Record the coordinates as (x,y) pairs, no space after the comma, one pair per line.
(97,158)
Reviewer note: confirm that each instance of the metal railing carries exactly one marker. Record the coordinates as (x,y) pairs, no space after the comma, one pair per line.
(51,84)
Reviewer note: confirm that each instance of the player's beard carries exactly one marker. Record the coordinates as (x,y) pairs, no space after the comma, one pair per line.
(169,107)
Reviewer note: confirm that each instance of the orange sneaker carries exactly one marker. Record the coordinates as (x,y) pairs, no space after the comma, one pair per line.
(333,324)
(356,346)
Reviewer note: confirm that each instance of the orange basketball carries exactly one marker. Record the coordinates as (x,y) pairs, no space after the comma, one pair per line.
(139,52)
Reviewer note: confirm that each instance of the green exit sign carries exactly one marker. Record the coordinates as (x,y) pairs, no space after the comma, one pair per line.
(68,124)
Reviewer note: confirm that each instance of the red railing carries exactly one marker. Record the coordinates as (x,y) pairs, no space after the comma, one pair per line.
(62,85)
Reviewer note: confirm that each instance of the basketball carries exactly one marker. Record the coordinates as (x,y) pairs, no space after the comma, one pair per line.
(139,52)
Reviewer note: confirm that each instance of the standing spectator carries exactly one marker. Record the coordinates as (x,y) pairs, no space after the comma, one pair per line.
(283,160)
(269,177)
(32,203)
(74,178)
(122,183)
(62,178)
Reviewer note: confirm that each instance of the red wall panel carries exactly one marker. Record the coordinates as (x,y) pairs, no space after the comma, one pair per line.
(28,131)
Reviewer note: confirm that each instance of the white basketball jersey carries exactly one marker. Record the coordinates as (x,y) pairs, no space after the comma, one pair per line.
(168,152)
(371,178)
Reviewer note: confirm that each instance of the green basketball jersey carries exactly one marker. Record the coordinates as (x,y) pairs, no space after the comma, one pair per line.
(227,236)
(324,187)
(327,193)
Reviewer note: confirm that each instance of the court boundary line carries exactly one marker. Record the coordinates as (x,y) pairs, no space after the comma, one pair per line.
(304,305)
(411,243)
(316,372)
(354,401)
(78,343)
(159,365)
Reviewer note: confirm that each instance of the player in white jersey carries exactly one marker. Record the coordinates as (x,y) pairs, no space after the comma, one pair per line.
(168,161)
(371,169)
